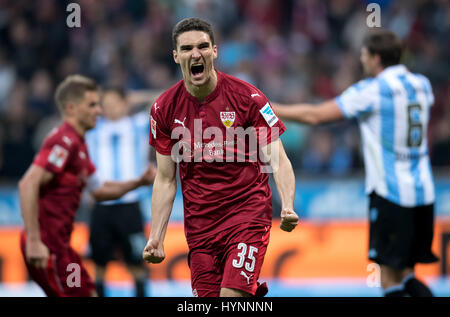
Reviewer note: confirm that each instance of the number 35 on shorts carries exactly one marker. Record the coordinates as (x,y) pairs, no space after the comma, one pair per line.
(245,258)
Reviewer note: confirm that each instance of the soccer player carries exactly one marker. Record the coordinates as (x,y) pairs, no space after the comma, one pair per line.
(51,188)
(392,108)
(227,203)
(119,148)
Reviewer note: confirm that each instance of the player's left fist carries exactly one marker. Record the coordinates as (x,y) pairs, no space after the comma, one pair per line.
(289,220)
(148,177)
(153,252)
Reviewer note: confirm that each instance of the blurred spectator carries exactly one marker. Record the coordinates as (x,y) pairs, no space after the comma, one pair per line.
(7,79)
(323,156)
(17,127)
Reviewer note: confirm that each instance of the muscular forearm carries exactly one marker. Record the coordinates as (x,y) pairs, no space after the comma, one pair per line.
(285,181)
(164,192)
(303,113)
(324,112)
(29,197)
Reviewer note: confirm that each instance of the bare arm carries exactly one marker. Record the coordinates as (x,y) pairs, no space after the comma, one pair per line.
(113,190)
(327,111)
(164,191)
(37,253)
(285,181)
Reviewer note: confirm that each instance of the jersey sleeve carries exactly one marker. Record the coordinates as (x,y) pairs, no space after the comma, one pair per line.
(262,117)
(53,155)
(358,99)
(159,131)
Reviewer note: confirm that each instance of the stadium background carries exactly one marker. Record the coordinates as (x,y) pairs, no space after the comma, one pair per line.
(293,50)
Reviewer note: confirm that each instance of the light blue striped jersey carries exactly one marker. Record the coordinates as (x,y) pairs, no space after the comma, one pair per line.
(393,112)
(120,150)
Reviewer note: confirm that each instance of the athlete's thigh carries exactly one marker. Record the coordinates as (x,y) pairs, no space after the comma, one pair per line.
(129,226)
(423,235)
(391,233)
(64,275)
(101,236)
(205,273)
(71,274)
(244,258)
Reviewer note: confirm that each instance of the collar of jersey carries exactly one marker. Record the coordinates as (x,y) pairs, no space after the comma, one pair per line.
(70,129)
(394,70)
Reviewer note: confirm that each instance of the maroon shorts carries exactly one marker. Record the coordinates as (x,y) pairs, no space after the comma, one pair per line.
(64,275)
(232,259)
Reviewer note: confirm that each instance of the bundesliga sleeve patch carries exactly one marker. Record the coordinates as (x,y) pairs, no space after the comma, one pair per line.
(269,115)
(153,125)
(58,156)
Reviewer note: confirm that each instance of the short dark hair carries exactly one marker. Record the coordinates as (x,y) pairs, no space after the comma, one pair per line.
(191,24)
(72,89)
(384,43)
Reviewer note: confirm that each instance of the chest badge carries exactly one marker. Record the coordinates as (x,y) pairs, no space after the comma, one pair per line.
(227,118)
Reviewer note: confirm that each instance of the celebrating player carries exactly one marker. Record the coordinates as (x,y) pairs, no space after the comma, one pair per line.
(51,188)
(227,201)
(393,112)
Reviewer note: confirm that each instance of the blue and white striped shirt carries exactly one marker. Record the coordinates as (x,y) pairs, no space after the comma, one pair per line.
(393,112)
(120,150)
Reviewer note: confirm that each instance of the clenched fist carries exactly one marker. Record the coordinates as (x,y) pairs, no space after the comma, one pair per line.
(289,220)
(153,252)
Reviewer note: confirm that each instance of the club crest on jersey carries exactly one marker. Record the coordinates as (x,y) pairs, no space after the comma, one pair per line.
(227,118)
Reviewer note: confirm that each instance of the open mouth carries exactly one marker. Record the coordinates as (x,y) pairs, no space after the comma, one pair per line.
(197,70)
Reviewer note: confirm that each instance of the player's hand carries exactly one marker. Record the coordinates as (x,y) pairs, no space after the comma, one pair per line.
(149,175)
(153,252)
(289,220)
(37,253)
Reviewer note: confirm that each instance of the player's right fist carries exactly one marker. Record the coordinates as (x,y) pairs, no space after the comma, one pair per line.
(153,252)
(37,253)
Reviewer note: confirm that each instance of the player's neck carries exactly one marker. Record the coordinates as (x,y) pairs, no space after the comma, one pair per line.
(378,70)
(74,124)
(203,91)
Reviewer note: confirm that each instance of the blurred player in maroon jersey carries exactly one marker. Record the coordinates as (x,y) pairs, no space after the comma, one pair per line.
(227,198)
(50,192)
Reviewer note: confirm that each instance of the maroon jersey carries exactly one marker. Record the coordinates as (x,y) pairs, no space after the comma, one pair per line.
(63,153)
(220,170)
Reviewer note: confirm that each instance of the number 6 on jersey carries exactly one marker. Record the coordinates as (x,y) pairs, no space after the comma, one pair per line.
(239,263)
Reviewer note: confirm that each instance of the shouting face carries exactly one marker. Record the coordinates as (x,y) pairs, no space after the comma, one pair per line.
(195,53)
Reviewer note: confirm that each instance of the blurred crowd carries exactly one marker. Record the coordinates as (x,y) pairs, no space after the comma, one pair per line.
(293,50)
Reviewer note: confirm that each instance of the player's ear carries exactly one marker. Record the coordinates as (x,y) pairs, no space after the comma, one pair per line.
(377,59)
(69,108)
(175,56)
(215,52)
